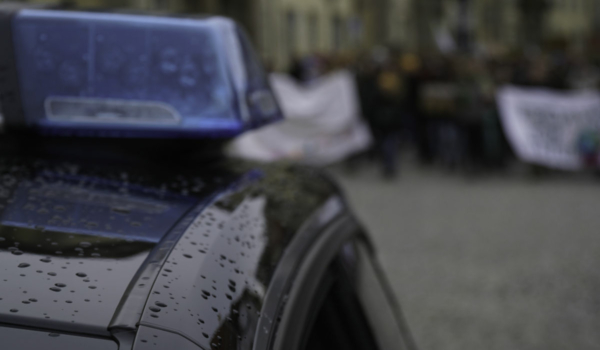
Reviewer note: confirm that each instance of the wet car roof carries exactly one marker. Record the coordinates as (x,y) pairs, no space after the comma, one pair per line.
(201,276)
(72,241)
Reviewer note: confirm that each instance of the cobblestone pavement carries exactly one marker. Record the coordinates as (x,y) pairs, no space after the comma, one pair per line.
(487,263)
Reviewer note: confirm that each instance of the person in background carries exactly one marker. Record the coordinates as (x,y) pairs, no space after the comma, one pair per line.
(387,115)
(410,65)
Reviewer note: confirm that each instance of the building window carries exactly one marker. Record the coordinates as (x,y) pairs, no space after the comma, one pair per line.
(160,5)
(337,33)
(291,34)
(494,19)
(313,32)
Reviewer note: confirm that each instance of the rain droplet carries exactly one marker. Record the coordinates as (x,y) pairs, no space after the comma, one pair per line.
(80,274)
(55,289)
(159,304)
(92,287)
(205,335)
(17,252)
(154,309)
(54,335)
(187,256)
(121,210)
(60,285)
(14,310)
(52,273)
(22,265)
(85,244)
(45,260)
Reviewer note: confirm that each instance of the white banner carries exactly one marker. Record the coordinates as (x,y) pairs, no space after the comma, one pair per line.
(322,123)
(544,126)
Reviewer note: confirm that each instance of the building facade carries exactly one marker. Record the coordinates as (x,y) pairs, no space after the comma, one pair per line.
(284,29)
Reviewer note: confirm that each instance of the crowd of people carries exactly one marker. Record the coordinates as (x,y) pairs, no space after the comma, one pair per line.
(445,105)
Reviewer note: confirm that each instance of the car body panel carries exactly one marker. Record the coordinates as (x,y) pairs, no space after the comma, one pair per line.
(153,339)
(242,215)
(212,287)
(26,339)
(42,288)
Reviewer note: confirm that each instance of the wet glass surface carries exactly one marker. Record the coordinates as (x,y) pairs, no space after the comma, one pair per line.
(177,63)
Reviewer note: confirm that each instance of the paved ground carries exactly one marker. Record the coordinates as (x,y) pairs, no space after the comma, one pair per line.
(491,263)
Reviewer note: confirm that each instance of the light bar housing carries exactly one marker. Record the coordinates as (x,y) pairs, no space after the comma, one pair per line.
(95,74)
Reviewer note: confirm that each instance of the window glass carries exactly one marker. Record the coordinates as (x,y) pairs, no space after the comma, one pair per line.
(290,20)
(377,306)
(340,322)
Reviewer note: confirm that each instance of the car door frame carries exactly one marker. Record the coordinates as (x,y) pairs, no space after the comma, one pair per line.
(296,281)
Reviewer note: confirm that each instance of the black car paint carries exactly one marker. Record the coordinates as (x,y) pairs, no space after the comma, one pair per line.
(212,288)
(253,212)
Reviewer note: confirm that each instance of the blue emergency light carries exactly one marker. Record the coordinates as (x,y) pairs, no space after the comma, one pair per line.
(121,75)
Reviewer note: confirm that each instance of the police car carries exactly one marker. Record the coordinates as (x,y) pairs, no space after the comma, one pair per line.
(122,226)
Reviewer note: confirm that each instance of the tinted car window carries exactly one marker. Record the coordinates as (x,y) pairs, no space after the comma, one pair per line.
(381,313)
(340,322)
(23,339)
(353,310)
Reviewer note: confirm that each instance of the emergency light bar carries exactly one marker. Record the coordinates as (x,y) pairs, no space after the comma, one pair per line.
(119,75)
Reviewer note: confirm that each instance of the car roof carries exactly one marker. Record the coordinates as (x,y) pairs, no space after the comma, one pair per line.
(74,260)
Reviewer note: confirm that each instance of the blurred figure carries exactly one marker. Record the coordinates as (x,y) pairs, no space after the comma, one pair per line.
(387,115)
(410,64)
(583,75)
(588,145)
(437,112)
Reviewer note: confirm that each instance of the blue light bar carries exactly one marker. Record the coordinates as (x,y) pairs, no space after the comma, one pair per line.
(100,74)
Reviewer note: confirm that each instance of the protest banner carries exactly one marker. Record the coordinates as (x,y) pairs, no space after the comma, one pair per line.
(546,127)
(322,123)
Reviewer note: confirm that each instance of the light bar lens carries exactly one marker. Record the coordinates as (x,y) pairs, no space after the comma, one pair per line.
(95,71)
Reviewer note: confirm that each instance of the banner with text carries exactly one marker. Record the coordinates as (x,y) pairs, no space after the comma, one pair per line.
(547,127)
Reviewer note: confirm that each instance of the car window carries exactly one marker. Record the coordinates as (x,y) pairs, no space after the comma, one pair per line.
(382,314)
(353,310)
(340,321)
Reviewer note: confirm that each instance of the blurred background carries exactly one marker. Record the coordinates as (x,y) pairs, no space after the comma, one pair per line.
(467,136)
